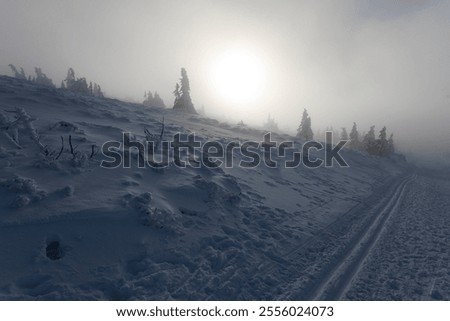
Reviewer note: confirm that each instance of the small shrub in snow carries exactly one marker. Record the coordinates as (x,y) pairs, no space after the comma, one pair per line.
(151,216)
(20,184)
(160,218)
(64,126)
(80,160)
(140,202)
(67,191)
(21,201)
(144,198)
(27,189)
(47,162)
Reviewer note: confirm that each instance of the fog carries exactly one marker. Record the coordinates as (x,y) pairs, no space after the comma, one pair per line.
(373,62)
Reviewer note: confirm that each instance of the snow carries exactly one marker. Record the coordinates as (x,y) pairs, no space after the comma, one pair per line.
(177,233)
(414,257)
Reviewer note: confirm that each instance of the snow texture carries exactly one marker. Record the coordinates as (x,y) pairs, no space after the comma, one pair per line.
(72,230)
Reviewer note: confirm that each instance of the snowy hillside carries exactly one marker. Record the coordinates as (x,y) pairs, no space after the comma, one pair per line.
(73,230)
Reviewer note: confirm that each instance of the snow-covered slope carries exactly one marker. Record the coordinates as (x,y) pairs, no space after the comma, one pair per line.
(172,233)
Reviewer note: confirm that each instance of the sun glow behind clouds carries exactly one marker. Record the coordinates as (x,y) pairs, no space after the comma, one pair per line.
(238,76)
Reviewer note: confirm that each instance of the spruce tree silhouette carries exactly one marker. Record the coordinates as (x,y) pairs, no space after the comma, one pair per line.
(183,101)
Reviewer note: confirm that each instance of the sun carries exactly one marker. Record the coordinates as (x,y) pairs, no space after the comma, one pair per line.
(238,76)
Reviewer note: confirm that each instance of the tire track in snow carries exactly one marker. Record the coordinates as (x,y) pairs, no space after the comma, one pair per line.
(335,283)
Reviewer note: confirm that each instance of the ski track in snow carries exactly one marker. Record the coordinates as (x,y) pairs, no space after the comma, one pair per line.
(334,285)
(412,259)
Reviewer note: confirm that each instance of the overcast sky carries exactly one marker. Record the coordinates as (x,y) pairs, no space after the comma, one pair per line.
(378,62)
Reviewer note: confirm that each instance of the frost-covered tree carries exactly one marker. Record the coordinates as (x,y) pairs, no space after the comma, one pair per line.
(80,85)
(304,131)
(177,93)
(390,145)
(382,136)
(380,146)
(382,143)
(354,143)
(70,79)
(270,125)
(344,134)
(185,87)
(183,101)
(42,79)
(148,99)
(17,74)
(97,91)
(369,143)
(153,100)
(158,101)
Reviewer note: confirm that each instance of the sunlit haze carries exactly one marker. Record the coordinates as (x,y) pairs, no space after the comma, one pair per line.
(372,62)
(239,77)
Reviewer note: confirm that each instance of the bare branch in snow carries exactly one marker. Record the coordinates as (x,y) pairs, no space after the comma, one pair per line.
(155,139)
(62,148)
(94,151)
